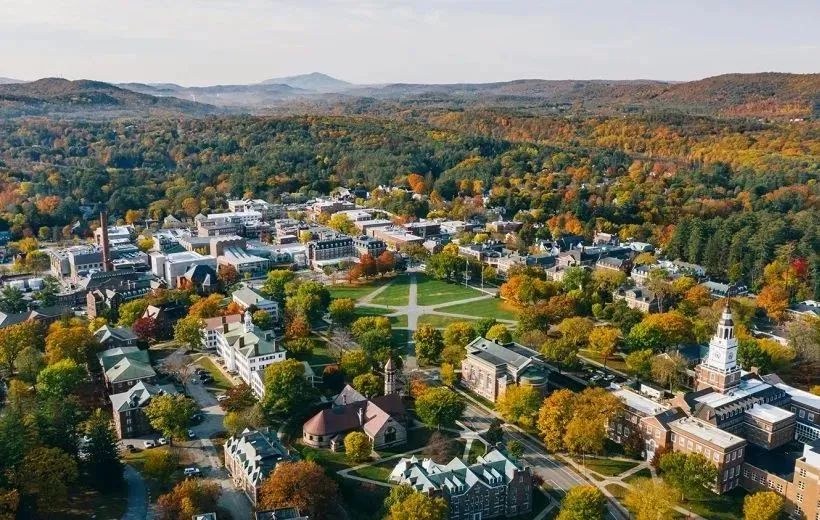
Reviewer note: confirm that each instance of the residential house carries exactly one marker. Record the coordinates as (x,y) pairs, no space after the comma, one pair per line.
(115,337)
(124,367)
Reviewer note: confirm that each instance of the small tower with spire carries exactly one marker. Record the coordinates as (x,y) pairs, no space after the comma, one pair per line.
(391,384)
(720,369)
(248,323)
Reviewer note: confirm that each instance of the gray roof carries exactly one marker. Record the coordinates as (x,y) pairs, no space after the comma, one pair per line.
(510,354)
(138,396)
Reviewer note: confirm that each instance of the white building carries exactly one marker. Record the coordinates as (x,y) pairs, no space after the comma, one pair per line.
(215,326)
(245,352)
(246,297)
(173,265)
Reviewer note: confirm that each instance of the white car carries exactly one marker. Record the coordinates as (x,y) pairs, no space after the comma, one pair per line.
(221,397)
(191,434)
(191,472)
(149,444)
(162,441)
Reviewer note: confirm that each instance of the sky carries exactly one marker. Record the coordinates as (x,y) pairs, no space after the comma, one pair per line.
(206,42)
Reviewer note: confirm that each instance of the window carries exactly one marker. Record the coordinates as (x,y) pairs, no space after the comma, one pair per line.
(800,497)
(802,414)
(801,484)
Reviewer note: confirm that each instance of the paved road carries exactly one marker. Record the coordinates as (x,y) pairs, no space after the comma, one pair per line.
(137,508)
(554,472)
(203,452)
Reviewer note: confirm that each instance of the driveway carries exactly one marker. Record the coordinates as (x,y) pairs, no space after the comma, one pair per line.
(203,452)
(137,508)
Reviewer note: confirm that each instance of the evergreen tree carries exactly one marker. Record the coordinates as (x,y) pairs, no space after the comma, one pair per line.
(102,460)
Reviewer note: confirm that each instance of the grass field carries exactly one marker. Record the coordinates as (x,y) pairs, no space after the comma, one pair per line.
(379,471)
(439,321)
(477,449)
(397,293)
(608,467)
(489,308)
(357,290)
(643,473)
(437,292)
(718,507)
(220,381)
(322,354)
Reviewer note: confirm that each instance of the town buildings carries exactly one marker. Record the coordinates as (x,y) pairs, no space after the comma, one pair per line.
(490,367)
(251,456)
(496,486)
(128,408)
(383,419)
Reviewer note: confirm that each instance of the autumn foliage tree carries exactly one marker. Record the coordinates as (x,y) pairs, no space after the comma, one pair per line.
(303,485)
(187,499)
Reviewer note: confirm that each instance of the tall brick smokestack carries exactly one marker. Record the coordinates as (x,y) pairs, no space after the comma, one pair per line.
(106,252)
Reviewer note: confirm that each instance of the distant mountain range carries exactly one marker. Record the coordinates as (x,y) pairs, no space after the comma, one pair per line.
(6,81)
(776,95)
(56,96)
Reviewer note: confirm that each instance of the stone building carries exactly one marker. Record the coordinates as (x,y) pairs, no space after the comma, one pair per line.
(490,367)
(495,486)
(251,456)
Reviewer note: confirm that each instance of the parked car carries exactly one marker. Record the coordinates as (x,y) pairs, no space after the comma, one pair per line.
(221,397)
(162,441)
(149,444)
(191,472)
(131,448)
(191,434)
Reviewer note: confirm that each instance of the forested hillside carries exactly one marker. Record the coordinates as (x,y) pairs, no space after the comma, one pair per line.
(725,194)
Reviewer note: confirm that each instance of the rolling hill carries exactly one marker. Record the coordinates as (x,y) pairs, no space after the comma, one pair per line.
(233,96)
(89,99)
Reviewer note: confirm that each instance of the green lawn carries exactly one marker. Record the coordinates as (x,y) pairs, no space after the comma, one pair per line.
(398,321)
(397,293)
(718,507)
(615,362)
(356,290)
(379,471)
(439,321)
(477,449)
(643,473)
(489,308)
(220,381)
(607,467)
(438,292)
(332,460)
(322,353)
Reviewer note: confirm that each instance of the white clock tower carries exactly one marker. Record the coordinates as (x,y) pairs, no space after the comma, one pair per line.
(720,369)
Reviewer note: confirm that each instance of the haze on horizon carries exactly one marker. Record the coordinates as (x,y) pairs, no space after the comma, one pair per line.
(210,42)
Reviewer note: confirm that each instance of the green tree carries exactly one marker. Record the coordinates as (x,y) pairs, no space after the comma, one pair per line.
(60,379)
(640,362)
(429,343)
(29,363)
(130,312)
(342,311)
(604,341)
(354,363)
(286,389)
(11,300)
(188,331)
(187,499)
(690,473)
(171,415)
(274,286)
(309,299)
(46,475)
(499,332)
(161,464)
(102,455)
(448,374)
(369,385)
(668,369)
(439,406)
(515,448)
(583,502)
(483,325)
(763,505)
(263,319)
(357,447)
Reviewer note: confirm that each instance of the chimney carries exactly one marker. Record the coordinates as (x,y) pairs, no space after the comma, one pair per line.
(106,260)
(241,341)
(360,413)
(224,328)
